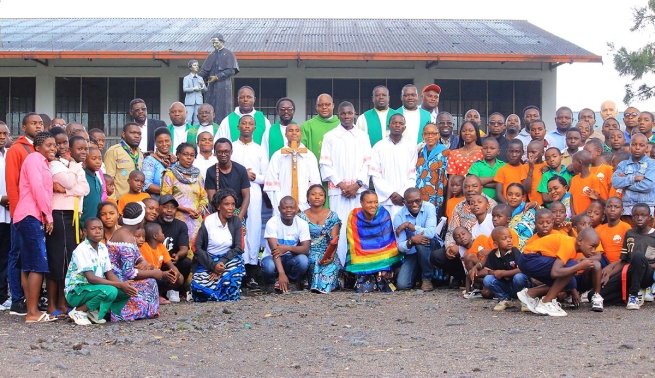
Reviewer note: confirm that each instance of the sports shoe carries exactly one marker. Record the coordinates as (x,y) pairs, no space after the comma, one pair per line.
(7,303)
(79,317)
(528,301)
(584,297)
(474,294)
(648,295)
(252,284)
(552,308)
(19,308)
(173,296)
(503,304)
(93,317)
(524,308)
(633,303)
(426,285)
(597,303)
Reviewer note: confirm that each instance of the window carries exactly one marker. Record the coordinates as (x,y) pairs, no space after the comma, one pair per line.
(357,91)
(267,92)
(104,103)
(487,96)
(16,99)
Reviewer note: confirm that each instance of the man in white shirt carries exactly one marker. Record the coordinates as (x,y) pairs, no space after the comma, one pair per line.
(374,121)
(179,128)
(139,113)
(205,158)
(229,125)
(344,164)
(5,231)
(393,166)
(415,117)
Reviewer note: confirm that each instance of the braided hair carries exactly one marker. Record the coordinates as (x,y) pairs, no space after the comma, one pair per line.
(132,210)
(41,137)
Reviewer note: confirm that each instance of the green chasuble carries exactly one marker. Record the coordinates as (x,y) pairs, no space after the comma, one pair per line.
(313,131)
(275,138)
(192,133)
(189,129)
(260,126)
(425,119)
(373,126)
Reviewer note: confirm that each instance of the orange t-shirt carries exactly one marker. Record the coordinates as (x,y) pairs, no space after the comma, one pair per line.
(508,174)
(127,198)
(611,238)
(450,205)
(109,199)
(579,201)
(614,193)
(553,245)
(604,173)
(156,257)
(486,242)
(534,195)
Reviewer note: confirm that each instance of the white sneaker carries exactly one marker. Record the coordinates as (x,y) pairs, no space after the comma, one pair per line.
(7,304)
(474,294)
(553,308)
(528,301)
(584,297)
(79,317)
(524,308)
(648,295)
(640,297)
(173,296)
(540,308)
(504,304)
(633,303)
(597,303)
(93,317)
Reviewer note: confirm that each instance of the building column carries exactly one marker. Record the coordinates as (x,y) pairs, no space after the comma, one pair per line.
(169,82)
(44,97)
(297,90)
(549,98)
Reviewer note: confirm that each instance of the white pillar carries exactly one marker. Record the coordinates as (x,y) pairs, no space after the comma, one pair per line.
(297,90)
(549,98)
(169,82)
(44,98)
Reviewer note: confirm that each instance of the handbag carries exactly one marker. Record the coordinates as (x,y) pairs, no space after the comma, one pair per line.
(328,257)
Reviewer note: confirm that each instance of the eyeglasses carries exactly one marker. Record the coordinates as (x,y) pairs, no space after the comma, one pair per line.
(630,115)
(220,153)
(285,110)
(136,110)
(496,123)
(323,105)
(429,134)
(443,123)
(58,125)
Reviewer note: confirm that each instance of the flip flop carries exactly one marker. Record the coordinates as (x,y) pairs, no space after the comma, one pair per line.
(164,301)
(44,318)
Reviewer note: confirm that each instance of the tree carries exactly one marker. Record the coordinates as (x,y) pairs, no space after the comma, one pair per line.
(640,62)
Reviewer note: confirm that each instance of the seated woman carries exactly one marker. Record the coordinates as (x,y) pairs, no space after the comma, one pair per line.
(108,214)
(158,161)
(324,226)
(130,266)
(372,250)
(218,267)
(523,215)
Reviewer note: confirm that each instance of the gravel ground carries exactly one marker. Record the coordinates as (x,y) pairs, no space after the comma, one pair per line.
(340,334)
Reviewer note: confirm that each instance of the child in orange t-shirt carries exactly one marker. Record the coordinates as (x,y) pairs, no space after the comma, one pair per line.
(536,166)
(455,184)
(584,185)
(613,232)
(154,252)
(512,172)
(598,167)
(135,181)
(560,225)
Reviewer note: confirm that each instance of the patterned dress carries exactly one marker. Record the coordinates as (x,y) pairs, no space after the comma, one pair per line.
(459,163)
(145,305)
(523,223)
(322,278)
(192,196)
(227,287)
(431,174)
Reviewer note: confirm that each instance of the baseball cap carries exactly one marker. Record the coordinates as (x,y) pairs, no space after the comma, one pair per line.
(432,87)
(166,198)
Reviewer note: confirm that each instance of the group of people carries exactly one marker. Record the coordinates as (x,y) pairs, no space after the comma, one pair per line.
(386,201)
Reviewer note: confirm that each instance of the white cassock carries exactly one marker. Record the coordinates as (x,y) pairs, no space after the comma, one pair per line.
(345,157)
(277,182)
(413,123)
(203,164)
(393,169)
(224,127)
(266,137)
(252,157)
(362,124)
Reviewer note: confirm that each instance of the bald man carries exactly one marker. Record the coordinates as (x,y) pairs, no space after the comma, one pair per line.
(608,109)
(313,130)
(179,127)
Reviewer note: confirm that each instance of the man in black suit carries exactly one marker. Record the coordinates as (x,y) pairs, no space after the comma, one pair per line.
(139,113)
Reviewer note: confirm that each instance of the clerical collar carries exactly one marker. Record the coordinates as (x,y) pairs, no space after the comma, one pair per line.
(328,119)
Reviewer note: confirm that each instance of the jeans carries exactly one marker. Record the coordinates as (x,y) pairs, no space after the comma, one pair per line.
(504,289)
(417,264)
(5,246)
(13,269)
(295,267)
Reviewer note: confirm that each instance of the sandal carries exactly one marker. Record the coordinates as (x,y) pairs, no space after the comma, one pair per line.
(59,315)
(44,318)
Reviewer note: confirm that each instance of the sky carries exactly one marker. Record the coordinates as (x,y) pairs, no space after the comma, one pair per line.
(589,24)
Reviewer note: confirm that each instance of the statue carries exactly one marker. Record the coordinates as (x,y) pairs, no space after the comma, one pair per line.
(194,86)
(217,70)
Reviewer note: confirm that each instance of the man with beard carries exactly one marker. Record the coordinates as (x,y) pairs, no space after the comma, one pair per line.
(275,137)
(139,113)
(374,121)
(496,128)
(125,157)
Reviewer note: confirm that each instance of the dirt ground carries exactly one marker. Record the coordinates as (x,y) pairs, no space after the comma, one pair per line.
(340,334)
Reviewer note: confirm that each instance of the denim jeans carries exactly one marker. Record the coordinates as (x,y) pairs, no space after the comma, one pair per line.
(417,264)
(295,267)
(504,289)
(13,269)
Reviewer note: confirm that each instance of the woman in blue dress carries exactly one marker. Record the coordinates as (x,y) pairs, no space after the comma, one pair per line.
(324,226)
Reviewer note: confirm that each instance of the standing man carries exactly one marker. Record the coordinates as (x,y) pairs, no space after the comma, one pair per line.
(123,158)
(5,221)
(230,125)
(275,138)
(496,128)
(393,166)
(530,113)
(563,120)
(374,121)
(194,86)
(415,117)
(139,113)
(179,127)
(608,109)
(313,130)
(631,120)
(23,146)
(205,124)
(252,156)
(344,162)
(445,126)
(430,100)
(217,71)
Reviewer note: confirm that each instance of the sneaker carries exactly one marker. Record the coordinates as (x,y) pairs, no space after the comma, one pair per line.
(7,303)
(426,285)
(93,317)
(648,295)
(19,308)
(552,308)
(474,294)
(524,308)
(79,317)
(43,302)
(633,303)
(173,296)
(640,297)
(584,298)
(528,301)
(252,284)
(503,304)
(597,303)
(305,284)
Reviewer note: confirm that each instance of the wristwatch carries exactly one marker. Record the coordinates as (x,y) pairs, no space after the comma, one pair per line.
(360,183)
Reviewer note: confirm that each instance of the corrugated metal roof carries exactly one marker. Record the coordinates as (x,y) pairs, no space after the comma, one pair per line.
(427,38)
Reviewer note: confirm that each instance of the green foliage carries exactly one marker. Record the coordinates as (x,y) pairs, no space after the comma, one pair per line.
(635,64)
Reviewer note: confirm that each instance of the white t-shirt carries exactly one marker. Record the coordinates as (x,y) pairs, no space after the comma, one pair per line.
(287,235)
(483,228)
(219,236)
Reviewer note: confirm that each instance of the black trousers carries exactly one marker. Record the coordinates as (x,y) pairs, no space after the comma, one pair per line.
(454,267)
(640,275)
